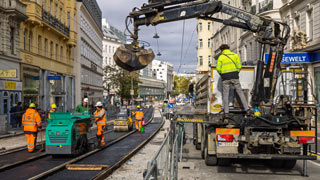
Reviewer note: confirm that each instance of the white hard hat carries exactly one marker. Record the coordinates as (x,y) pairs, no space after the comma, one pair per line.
(86,100)
(99,104)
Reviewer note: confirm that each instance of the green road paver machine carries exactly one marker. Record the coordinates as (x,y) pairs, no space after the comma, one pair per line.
(66,133)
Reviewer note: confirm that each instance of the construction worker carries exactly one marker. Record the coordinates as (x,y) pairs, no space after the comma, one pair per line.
(100,116)
(229,66)
(138,117)
(81,108)
(31,121)
(52,110)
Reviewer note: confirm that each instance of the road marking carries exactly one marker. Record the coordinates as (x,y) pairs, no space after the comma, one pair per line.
(314,163)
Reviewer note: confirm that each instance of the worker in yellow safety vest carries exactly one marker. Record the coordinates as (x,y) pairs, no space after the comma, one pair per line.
(229,66)
(31,121)
(139,116)
(52,110)
(100,116)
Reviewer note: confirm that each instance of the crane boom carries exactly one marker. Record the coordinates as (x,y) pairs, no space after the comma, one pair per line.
(268,32)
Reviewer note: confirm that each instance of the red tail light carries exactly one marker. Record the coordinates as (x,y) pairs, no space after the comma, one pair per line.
(307,140)
(225,137)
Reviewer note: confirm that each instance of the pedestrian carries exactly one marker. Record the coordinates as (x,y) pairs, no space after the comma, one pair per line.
(139,117)
(229,66)
(52,110)
(81,108)
(13,116)
(31,121)
(19,112)
(100,116)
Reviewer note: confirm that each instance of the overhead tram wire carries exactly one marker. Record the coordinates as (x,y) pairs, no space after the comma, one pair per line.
(187,50)
(182,41)
(157,41)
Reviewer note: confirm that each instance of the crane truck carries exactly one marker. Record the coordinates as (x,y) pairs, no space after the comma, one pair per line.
(283,133)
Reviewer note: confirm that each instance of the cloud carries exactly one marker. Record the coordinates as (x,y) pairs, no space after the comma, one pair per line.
(170,33)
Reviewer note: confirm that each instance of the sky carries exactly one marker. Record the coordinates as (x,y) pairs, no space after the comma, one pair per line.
(170,41)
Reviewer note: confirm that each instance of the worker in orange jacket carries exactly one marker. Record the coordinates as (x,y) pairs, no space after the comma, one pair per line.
(100,116)
(52,110)
(139,116)
(31,121)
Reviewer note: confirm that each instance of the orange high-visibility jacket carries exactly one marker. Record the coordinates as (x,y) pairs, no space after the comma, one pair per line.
(31,120)
(139,115)
(101,117)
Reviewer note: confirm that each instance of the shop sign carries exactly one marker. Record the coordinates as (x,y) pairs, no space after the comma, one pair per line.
(10,85)
(8,73)
(54,77)
(302,57)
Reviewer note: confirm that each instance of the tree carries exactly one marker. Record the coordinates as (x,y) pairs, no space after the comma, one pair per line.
(181,85)
(120,80)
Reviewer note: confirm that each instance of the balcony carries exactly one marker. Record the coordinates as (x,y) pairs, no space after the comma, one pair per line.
(14,6)
(54,22)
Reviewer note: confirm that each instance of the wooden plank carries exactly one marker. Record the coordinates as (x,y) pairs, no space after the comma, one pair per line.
(86,167)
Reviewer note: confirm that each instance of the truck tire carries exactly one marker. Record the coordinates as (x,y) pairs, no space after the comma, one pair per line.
(210,160)
(289,164)
(276,163)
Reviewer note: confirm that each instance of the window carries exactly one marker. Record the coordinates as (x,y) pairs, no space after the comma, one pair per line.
(50,5)
(209,43)
(309,26)
(200,43)
(68,20)
(25,39)
(57,47)
(200,60)
(60,14)
(45,47)
(30,41)
(44,4)
(209,59)
(61,53)
(51,49)
(297,23)
(109,49)
(56,11)
(209,26)
(12,40)
(200,26)
(39,44)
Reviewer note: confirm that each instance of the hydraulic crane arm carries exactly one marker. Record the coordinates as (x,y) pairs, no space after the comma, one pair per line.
(132,57)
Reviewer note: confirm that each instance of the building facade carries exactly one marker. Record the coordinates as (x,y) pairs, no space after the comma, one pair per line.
(88,66)
(12,13)
(149,86)
(47,41)
(112,39)
(163,71)
(204,47)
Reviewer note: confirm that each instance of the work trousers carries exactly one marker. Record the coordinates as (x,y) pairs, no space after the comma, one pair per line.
(226,87)
(138,124)
(100,134)
(31,141)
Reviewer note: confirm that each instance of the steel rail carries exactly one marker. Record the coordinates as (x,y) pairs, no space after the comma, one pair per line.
(62,166)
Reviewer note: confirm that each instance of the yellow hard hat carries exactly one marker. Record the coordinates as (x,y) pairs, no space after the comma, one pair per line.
(138,106)
(53,106)
(32,105)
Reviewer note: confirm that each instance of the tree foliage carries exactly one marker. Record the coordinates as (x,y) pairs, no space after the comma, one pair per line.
(181,85)
(120,80)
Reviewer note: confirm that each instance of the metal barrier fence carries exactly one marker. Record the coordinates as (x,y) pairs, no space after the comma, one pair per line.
(164,165)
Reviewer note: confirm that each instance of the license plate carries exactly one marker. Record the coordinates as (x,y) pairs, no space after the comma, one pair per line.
(234,144)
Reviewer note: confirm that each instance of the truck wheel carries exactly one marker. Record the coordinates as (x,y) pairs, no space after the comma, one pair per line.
(276,163)
(210,160)
(289,164)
